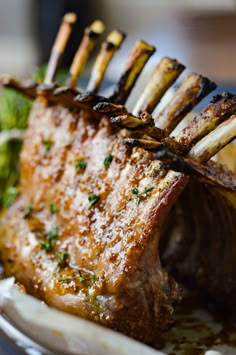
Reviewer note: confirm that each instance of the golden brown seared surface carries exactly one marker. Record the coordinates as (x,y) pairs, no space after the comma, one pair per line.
(83,235)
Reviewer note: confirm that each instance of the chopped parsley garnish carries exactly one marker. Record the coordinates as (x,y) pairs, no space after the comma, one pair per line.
(81,277)
(135,191)
(28,210)
(108,160)
(50,238)
(47,144)
(146,191)
(53,208)
(63,257)
(93,199)
(80,164)
(10,195)
(53,234)
(46,246)
(66,278)
(94,278)
(138,194)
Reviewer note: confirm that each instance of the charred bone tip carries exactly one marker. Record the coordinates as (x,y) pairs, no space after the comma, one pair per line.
(224,96)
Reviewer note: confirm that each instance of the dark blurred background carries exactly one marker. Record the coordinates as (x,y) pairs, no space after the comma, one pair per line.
(200,33)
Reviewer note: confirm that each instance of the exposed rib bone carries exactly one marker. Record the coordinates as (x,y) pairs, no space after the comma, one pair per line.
(86,46)
(108,49)
(164,75)
(138,127)
(73,99)
(220,109)
(110,109)
(90,99)
(59,46)
(143,143)
(207,174)
(211,144)
(27,88)
(193,89)
(136,61)
(127,121)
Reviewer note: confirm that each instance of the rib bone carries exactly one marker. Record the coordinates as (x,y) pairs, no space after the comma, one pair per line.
(221,107)
(136,61)
(108,49)
(211,144)
(59,46)
(86,46)
(192,90)
(27,88)
(164,75)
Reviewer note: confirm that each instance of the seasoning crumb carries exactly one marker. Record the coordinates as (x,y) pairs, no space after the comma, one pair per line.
(47,144)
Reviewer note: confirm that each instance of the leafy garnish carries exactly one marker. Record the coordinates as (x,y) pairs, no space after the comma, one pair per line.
(135,191)
(53,208)
(47,144)
(63,257)
(94,278)
(108,160)
(81,277)
(93,199)
(66,278)
(80,164)
(50,238)
(46,246)
(28,210)
(138,194)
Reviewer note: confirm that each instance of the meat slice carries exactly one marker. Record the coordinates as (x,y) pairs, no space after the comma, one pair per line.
(84,232)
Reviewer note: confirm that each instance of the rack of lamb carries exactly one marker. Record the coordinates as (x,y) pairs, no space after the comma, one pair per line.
(113,205)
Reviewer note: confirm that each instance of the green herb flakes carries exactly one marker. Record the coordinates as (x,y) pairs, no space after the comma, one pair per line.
(66,278)
(63,257)
(80,164)
(46,246)
(28,211)
(50,238)
(108,160)
(146,191)
(93,199)
(138,194)
(53,234)
(81,277)
(47,144)
(135,191)
(94,278)
(53,208)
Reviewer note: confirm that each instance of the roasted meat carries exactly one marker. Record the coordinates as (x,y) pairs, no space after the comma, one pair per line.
(83,235)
